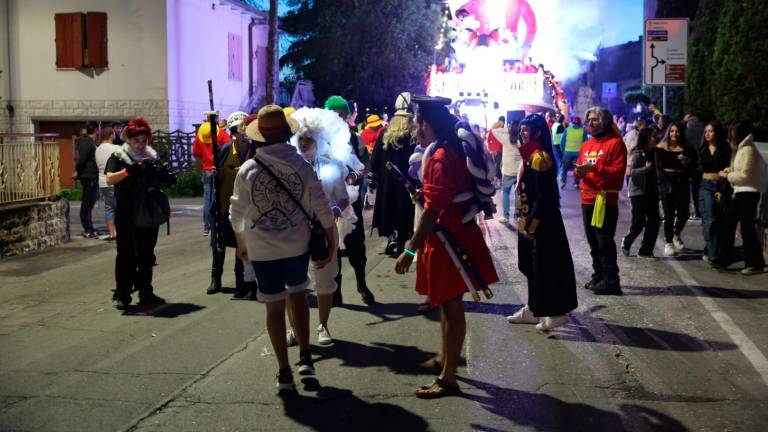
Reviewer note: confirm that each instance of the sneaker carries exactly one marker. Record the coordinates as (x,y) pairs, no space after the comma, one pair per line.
(290,338)
(646,255)
(523,316)
(305,364)
(206,232)
(90,235)
(669,250)
(150,299)
(365,294)
(323,335)
(284,380)
(678,244)
(503,220)
(706,259)
(754,270)
(607,289)
(548,323)
(122,302)
(592,283)
(625,251)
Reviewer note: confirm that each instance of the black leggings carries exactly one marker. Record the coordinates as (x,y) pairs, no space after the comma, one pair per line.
(645,216)
(675,200)
(135,257)
(742,210)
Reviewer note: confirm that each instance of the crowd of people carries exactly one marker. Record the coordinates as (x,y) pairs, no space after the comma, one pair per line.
(288,187)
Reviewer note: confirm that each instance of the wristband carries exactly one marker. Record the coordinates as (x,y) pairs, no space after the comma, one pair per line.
(410,252)
(336,208)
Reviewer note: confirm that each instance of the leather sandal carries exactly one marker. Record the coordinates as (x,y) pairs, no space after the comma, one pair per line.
(440,388)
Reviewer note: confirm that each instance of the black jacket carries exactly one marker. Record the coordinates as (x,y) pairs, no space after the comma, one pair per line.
(86,161)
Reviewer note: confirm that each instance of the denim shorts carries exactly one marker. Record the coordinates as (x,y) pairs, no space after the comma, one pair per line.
(108,196)
(278,278)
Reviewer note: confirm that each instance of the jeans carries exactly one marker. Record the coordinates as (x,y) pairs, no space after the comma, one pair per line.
(567,165)
(742,210)
(602,246)
(712,212)
(207,200)
(90,194)
(696,180)
(108,197)
(508,184)
(675,203)
(645,216)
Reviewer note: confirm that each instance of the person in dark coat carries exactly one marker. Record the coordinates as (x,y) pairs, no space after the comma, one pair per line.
(544,255)
(87,172)
(393,213)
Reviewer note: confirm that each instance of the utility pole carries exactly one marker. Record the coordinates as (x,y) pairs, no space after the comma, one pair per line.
(271,53)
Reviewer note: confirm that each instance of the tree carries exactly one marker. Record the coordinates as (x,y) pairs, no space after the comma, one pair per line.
(269,95)
(368,54)
(699,97)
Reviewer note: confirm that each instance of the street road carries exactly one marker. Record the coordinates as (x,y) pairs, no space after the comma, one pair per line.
(684,349)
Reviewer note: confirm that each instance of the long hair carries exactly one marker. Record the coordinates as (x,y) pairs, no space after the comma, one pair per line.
(443,123)
(738,131)
(721,139)
(682,142)
(537,124)
(644,137)
(399,127)
(606,119)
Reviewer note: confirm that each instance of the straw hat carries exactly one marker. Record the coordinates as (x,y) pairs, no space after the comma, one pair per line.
(271,125)
(373,121)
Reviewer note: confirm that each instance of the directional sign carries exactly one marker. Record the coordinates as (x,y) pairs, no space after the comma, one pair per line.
(665,52)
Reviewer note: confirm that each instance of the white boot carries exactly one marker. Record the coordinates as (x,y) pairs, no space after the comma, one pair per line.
(669,250)
(678,244)
(523,316)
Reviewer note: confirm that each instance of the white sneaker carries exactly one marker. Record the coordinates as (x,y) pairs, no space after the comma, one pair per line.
(549,323)
(323,335)
(290,338)
(669,250)
(503,220)
(523,316)
(678,244)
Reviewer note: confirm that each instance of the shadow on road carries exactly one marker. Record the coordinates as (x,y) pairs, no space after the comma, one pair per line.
(168,310)
(336,409)
(400,359)
(390,312)
(701,291)
(546,413)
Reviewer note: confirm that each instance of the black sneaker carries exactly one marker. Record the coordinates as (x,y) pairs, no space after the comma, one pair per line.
(305,364)
(150,299)
(214,287)
(367,295)
(241,292)
(592,283)
(284,380)
(122,301)
(604,288)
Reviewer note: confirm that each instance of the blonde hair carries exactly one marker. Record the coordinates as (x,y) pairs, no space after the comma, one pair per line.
(399,127)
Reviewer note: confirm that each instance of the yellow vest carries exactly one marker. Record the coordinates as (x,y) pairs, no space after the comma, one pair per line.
(573,139)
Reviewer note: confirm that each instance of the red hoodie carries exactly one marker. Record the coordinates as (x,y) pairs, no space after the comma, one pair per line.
(610,158)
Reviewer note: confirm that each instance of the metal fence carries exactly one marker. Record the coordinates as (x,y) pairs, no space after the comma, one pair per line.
(175,147)
(29,167)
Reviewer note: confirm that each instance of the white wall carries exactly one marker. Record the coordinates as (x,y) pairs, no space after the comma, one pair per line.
(3,54)
(136,51)
(197,51)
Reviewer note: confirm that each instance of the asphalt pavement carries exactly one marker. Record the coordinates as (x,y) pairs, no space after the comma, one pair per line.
(683,350)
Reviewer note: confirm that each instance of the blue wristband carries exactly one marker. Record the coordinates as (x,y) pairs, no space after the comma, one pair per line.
(410,252)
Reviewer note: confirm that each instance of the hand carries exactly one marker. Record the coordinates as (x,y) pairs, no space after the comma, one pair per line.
(648,165)
(403,263)
(723,174)
(718,196)
(74,175)
(242,253)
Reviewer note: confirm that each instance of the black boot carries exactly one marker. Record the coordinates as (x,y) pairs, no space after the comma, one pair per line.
(122,300)
(148,298)
(362,288)
(337,301)
(214,287)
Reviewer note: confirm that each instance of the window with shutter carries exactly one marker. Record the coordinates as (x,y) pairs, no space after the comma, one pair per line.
(96,30)
(70,31)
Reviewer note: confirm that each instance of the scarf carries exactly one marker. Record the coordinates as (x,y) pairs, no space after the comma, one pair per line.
(148,153)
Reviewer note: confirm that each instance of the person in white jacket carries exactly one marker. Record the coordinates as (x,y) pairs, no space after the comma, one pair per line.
(510,166)
(273,232)
(748,175)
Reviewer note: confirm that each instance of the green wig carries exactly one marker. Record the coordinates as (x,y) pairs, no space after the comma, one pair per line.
(335,103)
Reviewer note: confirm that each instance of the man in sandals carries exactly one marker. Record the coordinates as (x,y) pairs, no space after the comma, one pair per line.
(445,175)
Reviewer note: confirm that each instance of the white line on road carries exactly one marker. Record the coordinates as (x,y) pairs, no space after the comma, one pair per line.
(747,347)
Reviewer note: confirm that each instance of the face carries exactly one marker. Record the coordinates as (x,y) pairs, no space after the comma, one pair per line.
(307,144)
(709,134)
(674,134)
(594,124)
(424,133)
(138,143)
(527,135)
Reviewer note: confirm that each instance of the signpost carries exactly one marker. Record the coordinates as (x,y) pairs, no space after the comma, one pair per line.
(665,53)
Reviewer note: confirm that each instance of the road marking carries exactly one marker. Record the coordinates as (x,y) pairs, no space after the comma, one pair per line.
(747,347)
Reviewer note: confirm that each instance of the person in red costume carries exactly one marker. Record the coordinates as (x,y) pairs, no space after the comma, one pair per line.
(515,10)
(445,175)
(601,167)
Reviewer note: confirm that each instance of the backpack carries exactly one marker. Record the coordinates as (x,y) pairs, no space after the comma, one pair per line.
(150,204)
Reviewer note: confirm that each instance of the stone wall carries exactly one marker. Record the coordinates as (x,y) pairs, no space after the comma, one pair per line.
(32,226)
(28,111)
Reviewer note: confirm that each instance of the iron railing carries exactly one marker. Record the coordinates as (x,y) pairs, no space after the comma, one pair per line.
(29,167)
(175,147)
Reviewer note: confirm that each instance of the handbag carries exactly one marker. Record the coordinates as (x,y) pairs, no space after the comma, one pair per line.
(318,240)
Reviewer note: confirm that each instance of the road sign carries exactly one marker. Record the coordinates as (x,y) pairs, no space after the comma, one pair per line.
(609,90)
(665,51)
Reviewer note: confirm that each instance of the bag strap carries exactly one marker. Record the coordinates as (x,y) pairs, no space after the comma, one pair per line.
(283,187)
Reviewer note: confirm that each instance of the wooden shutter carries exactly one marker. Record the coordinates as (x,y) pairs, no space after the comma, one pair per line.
(69,40)
(96,28)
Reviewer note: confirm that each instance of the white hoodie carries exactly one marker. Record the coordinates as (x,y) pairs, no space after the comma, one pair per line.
(274,227)
(748,171)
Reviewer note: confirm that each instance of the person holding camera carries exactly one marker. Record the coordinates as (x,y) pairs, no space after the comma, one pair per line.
(274,195)
(141,207)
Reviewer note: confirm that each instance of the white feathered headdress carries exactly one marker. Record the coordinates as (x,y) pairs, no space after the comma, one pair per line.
(330,132)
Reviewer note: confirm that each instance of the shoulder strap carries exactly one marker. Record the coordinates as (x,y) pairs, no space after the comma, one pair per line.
(283,187)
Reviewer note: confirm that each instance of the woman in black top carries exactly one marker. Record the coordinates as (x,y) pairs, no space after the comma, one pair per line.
(133,171)
(715,156)
(675,162)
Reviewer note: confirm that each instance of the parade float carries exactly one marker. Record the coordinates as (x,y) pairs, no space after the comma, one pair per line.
(488,69)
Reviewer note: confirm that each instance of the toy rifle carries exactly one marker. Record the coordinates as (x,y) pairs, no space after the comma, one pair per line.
(216,199)
(467,270)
